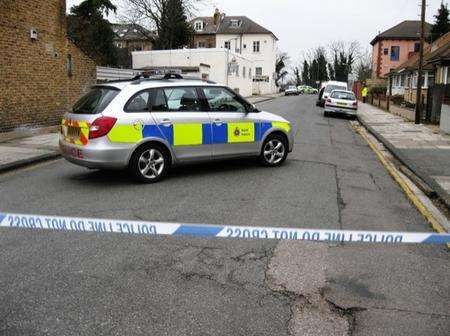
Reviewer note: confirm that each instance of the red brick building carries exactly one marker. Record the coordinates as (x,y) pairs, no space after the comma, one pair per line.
(41,72)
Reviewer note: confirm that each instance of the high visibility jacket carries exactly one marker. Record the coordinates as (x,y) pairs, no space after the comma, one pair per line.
(364,92)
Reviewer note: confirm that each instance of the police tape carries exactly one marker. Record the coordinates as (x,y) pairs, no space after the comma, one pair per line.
(96,225)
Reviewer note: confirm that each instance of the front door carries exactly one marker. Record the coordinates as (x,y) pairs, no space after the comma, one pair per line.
(234,130)
(183,120)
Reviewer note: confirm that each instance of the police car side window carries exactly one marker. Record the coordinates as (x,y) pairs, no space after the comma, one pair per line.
(182,99)
(222,100)
(159,103)
(138,103)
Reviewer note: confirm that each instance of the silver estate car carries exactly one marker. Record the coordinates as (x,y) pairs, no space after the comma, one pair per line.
(151,124)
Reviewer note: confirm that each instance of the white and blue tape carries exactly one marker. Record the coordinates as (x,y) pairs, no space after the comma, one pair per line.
(78,224)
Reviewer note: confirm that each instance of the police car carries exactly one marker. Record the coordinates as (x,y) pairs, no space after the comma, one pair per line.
(151,124)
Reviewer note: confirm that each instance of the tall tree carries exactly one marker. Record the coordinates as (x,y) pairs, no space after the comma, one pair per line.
(442,24)
(280,68)
(88,29)
(344,57)
(297,77)
(322,65)
(305,73)
(174,31)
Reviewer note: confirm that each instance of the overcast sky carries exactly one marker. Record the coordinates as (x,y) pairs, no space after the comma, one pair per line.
(304,24)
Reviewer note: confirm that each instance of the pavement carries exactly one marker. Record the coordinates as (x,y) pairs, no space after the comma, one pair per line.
(425,152)
(15,153)
(68,283)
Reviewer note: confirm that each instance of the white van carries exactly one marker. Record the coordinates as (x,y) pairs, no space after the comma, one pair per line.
(326,90)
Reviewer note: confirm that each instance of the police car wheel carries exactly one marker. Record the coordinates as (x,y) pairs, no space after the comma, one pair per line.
(150,163)
(274,151)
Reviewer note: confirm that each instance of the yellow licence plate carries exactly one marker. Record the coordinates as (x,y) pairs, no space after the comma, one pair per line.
(342,104)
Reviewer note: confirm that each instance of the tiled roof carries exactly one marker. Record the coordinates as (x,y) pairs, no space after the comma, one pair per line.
(208,25)
(407,30)
(232,25)
(130,32)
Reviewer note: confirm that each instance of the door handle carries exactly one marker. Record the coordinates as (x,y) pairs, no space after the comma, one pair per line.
(218,122)
(166,122)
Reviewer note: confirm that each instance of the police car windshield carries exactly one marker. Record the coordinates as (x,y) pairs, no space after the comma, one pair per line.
(96,100)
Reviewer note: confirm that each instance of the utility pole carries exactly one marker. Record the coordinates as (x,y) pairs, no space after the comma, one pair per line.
(420,75)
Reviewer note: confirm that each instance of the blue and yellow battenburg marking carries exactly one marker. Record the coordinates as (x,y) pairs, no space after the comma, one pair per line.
(196,134)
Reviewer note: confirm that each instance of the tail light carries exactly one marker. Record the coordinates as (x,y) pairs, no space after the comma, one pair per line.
(355,104)
(328,100)
(101,126)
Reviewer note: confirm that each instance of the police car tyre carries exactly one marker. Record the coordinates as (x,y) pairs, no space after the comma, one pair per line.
(150,163)
(274,151)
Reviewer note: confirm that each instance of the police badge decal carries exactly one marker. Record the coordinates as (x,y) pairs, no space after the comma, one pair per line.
(237,132)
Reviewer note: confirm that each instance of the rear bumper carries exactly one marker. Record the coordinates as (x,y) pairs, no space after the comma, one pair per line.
(340,110)
(95,157)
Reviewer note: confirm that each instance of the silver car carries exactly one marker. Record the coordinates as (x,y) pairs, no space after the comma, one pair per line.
(149,125)
(341,102)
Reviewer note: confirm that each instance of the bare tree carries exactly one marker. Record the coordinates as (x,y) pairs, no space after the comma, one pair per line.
(280,67)
(149,14)
(343,57)
(364,66)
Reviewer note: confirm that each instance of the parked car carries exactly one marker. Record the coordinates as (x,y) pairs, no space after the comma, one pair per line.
(310,90)
(291,91)
(150,124)
(341,102)
(327,88)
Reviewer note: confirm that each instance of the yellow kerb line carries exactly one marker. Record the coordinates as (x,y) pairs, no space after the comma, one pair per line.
(409,193)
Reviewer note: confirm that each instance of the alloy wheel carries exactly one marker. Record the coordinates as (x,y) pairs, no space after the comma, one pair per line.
(151,163)
(274,151)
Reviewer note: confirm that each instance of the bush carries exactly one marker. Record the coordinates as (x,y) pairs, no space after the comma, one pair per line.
(378,90)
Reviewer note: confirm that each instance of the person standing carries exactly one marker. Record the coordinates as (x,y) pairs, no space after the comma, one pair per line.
(364,92)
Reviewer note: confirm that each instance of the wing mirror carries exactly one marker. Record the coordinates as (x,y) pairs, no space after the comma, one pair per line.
(253,108)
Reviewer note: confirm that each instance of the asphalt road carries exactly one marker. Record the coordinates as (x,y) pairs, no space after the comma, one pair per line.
(60,283)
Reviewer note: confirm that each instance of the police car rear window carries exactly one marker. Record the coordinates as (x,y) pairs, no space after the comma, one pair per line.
(96,100)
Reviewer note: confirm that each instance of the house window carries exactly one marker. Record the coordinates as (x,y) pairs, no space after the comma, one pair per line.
(237,70)
(256,46)
(258,71)
(227,45)
(386,51)
(243,72)
(250,73)
(198,26)
(395,53)
(201,44)
(234,23)
(416,47)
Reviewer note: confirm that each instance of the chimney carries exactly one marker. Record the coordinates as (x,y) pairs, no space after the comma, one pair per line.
(216,16)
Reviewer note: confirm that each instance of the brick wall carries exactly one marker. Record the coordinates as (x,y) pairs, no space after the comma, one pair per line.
(35,86)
